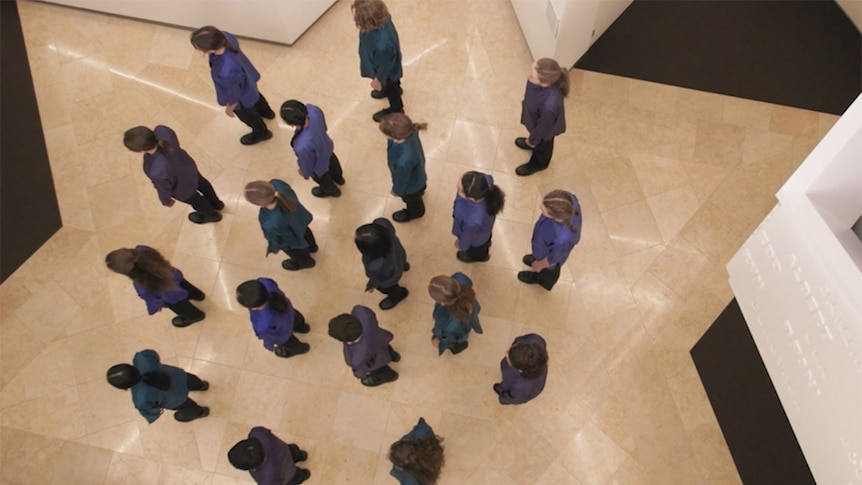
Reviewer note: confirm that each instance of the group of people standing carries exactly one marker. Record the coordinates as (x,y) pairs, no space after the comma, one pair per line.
(285,222)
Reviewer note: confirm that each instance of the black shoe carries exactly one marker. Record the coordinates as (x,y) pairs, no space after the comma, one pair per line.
(303,455)
(521,143)
(301,475)
(305,328)
(180,321)
(527,169)
(292,265)
(389,303)
(406,266)
(218,205)
(313,249)
(319,192)
(459,348)
(496,388)
(270,115)
(383,113)
(528,259)
(284,352)
(465,258)
(378,379)
(205,385)
(380,94)
(200,297)
(403,216)
(252,138)
(339,180)
(528,277)
(203,218)
(396,357)
(186,419)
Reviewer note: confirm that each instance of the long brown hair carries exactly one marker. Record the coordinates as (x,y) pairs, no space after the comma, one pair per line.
(262,193)
(369,14)
(143,139)
(459,299)
(421,458)
(399,126)
(145,266)
(560,207)
(550,72)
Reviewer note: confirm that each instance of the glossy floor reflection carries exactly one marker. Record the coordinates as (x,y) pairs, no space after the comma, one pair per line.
(671,182)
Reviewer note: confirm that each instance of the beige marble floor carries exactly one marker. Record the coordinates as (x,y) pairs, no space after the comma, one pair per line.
(671,182)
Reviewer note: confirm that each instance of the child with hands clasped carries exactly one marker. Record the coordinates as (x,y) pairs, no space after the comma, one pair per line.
(556,232)
(477,204)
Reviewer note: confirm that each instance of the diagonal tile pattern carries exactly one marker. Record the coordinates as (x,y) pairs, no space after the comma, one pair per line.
(671,181)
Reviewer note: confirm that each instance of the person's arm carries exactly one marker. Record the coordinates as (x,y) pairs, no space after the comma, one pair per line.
(305,158)
(544,125)
(151,411)
(154,301)
(165,188)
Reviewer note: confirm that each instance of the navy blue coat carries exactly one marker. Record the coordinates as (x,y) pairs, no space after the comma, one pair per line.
(150,400)
(278,466)
(386,271)
(380,53)
(312,145)
(543,112)
(284,230)
(175,174)
(371,352)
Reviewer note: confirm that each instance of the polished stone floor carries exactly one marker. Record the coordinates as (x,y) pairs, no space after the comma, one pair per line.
(671,182)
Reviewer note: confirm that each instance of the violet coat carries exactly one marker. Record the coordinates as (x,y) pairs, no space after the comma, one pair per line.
(515,388)
(371,352)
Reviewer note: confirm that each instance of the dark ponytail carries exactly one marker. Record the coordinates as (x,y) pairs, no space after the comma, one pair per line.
(477,185)
(252,294)
(143,139)
(159,380)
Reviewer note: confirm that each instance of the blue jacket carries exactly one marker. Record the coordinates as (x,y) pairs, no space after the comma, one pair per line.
(554,240)
(150,400)
(284,230)
(515,388)
(380,53)
(421,430)
(386,271)
(371,352)
(234,76)
(157,301)
(448,329)
(312,145)
(471,223)
(407,165)
(174,175)
(278,466)
(269,325)
(543,112)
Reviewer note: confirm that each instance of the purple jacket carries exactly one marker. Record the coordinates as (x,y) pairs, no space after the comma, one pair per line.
(269,325)
(543,112)
(278,466)
(312,145)
(554,240)
(371,352)
(234,76)
(471,223)
(174,175)
(157,301)
(386,271)
(515,389)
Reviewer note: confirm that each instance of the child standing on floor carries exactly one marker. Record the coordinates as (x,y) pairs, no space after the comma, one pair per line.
(524,370)
(173,172)
(477,204)
(417,457)
(384,260)
(235,80)
(314,148)
(543,113)
(268,459)
(156,387)
(158,283)
(556,232)
(367,349)
(406,160)
(456,312)
(284,222)
(379,53)
(273,318)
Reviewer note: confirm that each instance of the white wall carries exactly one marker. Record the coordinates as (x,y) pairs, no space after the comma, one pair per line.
(281,21)
(853,9)
(798,280)
(580,22)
